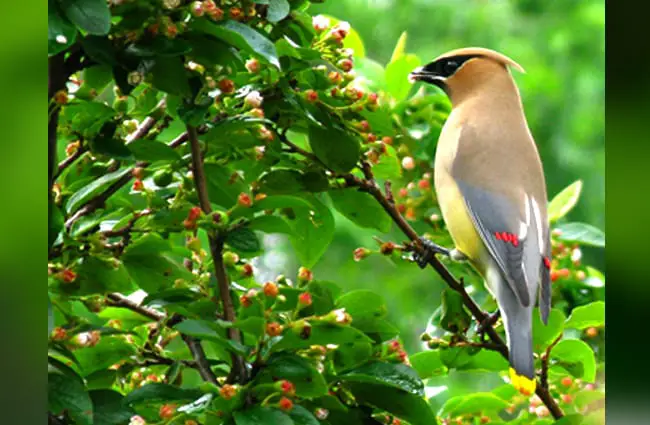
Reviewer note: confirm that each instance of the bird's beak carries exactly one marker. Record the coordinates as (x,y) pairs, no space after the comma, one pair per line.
(421,74)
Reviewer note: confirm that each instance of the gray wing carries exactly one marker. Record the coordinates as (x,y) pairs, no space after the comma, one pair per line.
(511,239)
(545,281)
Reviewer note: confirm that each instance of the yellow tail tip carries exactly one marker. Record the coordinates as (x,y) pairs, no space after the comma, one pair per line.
(524,385)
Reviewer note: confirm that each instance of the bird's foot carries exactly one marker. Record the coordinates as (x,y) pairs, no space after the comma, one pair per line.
(430,249)
(489,321)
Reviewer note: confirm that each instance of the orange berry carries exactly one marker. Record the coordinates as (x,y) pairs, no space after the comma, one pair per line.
(566,398)
(189,224)
(228,391)
(394,346)
(271,289)
(138,185)
(592,332)
(253,66)
(167,411)
(304,299)
(226,86)
(410,214)
(311,96)
(68,276)
(244,200)
(360,253)
(305,274)
(59,334)
(424,184)
(247,270)
(387,140)
(287,387)
(273,329)
(194,213)
(387,248)
(235,13)
(245,301)
(566,381)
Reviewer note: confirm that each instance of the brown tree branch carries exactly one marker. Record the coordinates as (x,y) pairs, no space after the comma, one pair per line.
(543,378)
(238,372)
(200,359)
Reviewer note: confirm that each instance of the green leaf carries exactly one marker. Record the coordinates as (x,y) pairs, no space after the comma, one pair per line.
(108,351)
(169,75)
(574,419)
(544,335)
(99,276)
(362,303)
(428,364)
(412,408)
(352,41)
(455,357)
(150,266)
(321,334)
(243,240)
(83,195)
(281,182)
(155,392)
(313,230)
(65,393)
(209,331)
(581,233)
(61,34)
(92,16)
(278,10)
(251,325)
(270,224)
(486,360)
(472,404)
(396,375)
(564,201)
(577,357)
(397,83)
(336,148)
(241,36)
(586,316)
(108,408)
(100,49)
(87,117)
(585,397)
(302,416)
(389,166)
(150,150)
(222,189)
(308,381)
(454,317)
(361,208)
(400,48)
(257,415)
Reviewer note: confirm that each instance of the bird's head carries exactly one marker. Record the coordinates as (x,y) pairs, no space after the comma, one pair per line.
(462,69)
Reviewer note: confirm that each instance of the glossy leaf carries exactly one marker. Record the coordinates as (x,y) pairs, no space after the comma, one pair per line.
(68,394)
(313,230)
(61,34)
(151,393)
(108,408)
(308,381)
(336,148)
(397,72)
(544,335)
(243,240)
(564,201)
(395,375)
(278,10)
(586,316)
(577,357)
(92,16)
(472,404)
(581,233)
(108,351)
(428,364)
(361,208)
(256,415)
(83,195)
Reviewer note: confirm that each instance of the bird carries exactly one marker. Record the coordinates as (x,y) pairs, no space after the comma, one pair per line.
(491,189)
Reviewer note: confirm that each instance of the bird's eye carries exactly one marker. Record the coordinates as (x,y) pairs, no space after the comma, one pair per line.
(450,67)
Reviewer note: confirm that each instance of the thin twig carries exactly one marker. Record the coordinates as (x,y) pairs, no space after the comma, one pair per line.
(543,378)
(238,372)
(69,160)
(202,364)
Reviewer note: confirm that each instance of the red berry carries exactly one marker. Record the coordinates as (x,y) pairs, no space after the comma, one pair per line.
(189,224)
(304,299)
(394,346)
(61,97)
(215,13)
(566,381)
(401,208)
(273,329)
(371,138)
(245,301)
(566,398)
(226,86)
(554,275)
(167,411)
(335,77)
(564,273)
(171,30)
(68,276)
(244,200)
(271,289)
(345,64)
(285,404)
(364,126)
(387,248)
(305,274)
(372,98)
(287,387)
(235,13)
(253,66)
(194,214)
(59,334)
(424,184)
(311,96)
(138,185)
(360,254)
(247,270)
(485,419)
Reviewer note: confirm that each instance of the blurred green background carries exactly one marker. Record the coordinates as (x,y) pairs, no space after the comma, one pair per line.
(561,45)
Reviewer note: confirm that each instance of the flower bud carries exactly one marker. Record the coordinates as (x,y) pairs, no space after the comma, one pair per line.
(253,66)
(360,254)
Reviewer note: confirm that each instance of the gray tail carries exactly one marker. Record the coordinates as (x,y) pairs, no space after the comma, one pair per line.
(519,332)
(518,323)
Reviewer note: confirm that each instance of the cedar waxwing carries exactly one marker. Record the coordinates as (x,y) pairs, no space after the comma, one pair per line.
(490,187)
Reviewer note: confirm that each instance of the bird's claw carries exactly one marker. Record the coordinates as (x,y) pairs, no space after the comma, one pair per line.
(489,321)
(430,249)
